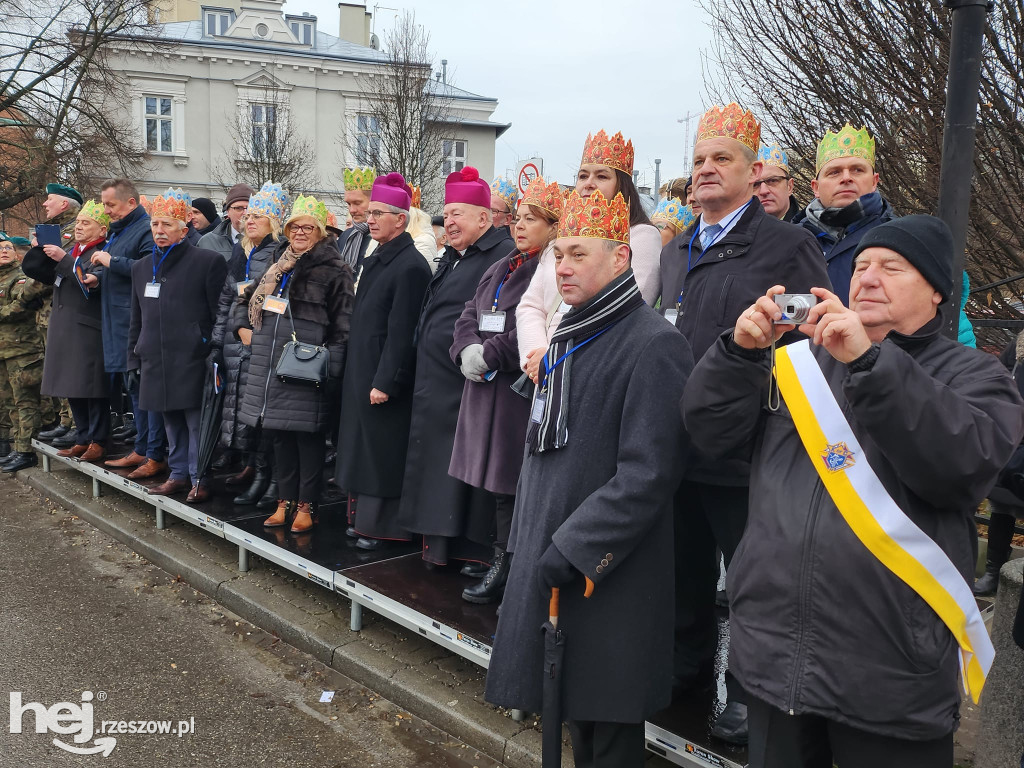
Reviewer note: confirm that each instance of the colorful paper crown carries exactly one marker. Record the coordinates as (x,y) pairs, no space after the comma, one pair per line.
(309,206)
(849,142)
(615,152)
(507,191)
(594,216)
(359,178)
(675,212)
(172,204)
(93,209)
(416,195)
(270,201)
(773,154)
(332,221)
(730,122)
(547,197)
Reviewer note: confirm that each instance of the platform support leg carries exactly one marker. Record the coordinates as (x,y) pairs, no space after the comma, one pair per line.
(355,622)
(518,715)
(46,462)
(243,559)
(161,521)
(96,490)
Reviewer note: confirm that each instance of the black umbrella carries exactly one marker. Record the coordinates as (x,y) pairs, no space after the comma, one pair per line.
(210,417)
(551,715)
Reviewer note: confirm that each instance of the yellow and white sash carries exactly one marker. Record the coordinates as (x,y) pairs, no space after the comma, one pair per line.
(875,518)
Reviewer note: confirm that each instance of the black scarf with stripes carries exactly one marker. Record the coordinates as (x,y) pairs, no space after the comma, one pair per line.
(618,299)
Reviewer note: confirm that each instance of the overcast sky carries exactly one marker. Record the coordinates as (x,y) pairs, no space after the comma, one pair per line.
(562,68)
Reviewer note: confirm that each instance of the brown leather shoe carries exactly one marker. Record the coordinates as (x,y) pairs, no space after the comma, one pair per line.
(73,452)
(281,514)
(150,469)
(131,460)
(198,494)
(94,452)
(242,478)
(304,518)
(168,487)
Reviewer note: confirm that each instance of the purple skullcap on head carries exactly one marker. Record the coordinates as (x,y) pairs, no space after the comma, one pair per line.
(391,190)
(467,187)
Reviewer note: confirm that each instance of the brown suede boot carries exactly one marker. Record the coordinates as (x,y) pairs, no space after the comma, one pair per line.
(304,518)
(281,514)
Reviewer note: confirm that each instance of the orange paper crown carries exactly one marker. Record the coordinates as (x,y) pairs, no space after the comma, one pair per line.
(172,204)
(594,216)
(416,193)
(547,197)
(615,152)
(731,122)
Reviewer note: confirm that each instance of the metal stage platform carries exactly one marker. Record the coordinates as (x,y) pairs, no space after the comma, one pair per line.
(392,583)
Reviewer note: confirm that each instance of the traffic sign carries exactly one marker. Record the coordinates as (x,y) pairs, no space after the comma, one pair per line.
(528,171)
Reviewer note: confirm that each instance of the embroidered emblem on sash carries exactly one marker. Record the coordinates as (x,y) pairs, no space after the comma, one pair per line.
(838,457)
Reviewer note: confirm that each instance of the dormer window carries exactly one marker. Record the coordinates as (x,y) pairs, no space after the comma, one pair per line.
(303,27)
(216,21)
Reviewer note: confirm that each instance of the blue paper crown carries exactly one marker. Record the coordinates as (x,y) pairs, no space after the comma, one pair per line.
(270,201)
(178,194)
(674,212)
(773,154)
(507,191)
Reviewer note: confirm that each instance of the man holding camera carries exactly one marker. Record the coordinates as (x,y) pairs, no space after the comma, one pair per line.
(727,258)
(850,606)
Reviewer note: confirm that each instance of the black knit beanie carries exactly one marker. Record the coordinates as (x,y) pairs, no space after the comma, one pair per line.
(924,241)
(206,207)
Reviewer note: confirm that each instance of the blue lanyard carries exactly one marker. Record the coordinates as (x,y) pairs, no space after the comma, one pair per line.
(497,293)
(248,260)
(284,282)
(111,239)
(164,255)
(690,263)
(559,361)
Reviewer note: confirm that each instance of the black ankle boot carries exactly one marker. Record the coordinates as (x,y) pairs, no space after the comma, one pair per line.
(492,587)
(260,486)
(269,498)
(1000,534)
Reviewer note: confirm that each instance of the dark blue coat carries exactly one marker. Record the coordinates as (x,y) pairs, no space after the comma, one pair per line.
(130,240)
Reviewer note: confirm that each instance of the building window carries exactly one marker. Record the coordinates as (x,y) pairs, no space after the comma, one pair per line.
(217,21)
(454,156)
(263,118)
(367,140)
(158,123)
(303,31)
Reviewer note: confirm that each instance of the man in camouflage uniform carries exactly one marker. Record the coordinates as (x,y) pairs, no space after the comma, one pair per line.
(21,357)
(21,244)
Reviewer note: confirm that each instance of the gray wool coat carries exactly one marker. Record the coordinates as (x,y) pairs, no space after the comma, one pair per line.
(605,501)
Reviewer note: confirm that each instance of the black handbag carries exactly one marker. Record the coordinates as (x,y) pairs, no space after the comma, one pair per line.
(302,363)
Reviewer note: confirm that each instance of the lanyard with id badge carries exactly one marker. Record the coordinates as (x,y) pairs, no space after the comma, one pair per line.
(494,321)
(537,415)
(278,304)
(241,285)
(152,290)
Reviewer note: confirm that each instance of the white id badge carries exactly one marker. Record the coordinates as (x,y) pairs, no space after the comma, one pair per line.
(276,304)
(492,322)
(58,280)
(538,408)
(241,285)
(672,315)
(152,291)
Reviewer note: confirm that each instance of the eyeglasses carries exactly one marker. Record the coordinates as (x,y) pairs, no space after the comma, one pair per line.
(659,224)
(496,212)
(254,217)
(305,229)
(378,214)
(6,247)
(771,182)
(239,208)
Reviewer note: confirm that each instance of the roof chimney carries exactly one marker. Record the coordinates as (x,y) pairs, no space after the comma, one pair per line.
(354,23)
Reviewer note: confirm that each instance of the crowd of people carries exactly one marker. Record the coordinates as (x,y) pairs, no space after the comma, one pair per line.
(554,391)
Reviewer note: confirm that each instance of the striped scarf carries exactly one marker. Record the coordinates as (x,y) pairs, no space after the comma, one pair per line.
(580,325)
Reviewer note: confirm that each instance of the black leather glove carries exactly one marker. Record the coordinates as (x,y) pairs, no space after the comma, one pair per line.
(131,380)
(216,355)
(553,570)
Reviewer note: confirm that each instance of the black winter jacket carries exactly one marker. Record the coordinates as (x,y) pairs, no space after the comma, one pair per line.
(818,625)
(320,295)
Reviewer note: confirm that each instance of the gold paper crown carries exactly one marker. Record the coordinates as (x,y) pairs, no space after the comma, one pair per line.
(309,206)
(547,197)
(615,152)
(93,209)
(595,217)
(417,196)
(172,204)
(730,122)
(359,178)
(849,142)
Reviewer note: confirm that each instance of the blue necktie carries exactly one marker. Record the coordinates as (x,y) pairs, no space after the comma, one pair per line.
(707,237)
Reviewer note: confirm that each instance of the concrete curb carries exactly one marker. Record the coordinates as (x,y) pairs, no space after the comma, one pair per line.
(415,674)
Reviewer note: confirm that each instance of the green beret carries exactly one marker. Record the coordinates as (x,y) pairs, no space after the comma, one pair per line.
(21,242)
(65,191)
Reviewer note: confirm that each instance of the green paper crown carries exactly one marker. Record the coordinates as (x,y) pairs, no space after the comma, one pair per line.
(309,206)
(849,142)
(93,209)
(359,178)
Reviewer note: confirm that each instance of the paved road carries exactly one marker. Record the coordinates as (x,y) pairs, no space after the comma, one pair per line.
(80,612)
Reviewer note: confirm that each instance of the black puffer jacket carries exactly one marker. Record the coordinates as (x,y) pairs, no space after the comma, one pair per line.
(818,624)
(320,295)
(233,433)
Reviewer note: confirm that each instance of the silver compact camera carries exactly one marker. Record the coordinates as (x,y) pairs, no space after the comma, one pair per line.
(795,307)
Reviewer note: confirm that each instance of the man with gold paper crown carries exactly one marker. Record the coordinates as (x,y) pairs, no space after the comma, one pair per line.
(872,443)
(175,291)
(593,516)
(354,241)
